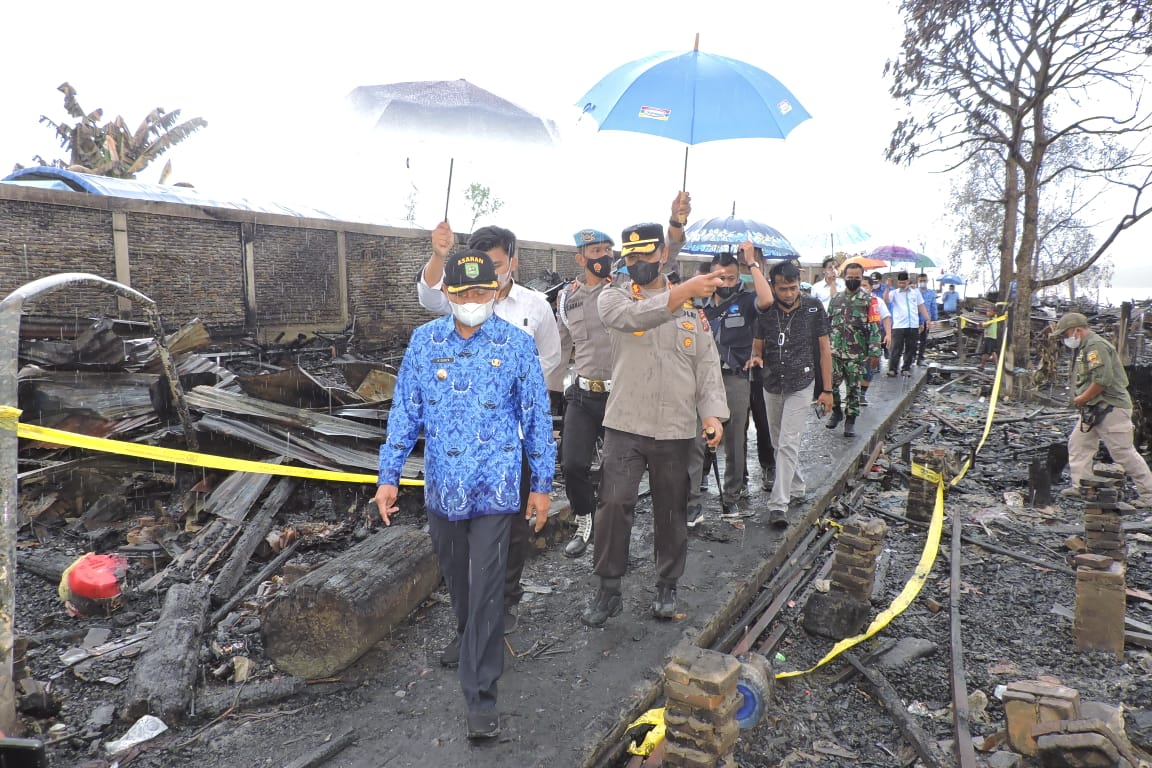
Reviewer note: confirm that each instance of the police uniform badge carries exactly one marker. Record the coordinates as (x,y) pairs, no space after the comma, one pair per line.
(1093,360)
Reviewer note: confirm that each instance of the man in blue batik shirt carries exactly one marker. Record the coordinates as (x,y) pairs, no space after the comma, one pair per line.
(471,382)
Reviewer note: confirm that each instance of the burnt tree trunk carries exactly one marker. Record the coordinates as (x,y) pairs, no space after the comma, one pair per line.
(329,618)
(165,676)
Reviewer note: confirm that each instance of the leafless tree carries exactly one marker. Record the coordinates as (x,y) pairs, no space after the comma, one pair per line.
(1014,78)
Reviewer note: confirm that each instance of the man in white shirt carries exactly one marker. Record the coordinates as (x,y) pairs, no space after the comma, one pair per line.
(529,311)
(909,315)
(830,285)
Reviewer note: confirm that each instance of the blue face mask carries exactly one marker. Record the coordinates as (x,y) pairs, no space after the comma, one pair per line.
(746,279)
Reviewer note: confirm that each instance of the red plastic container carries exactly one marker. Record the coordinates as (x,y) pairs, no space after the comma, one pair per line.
(94,583)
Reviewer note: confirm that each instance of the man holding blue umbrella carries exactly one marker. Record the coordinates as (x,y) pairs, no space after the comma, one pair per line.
(665,373)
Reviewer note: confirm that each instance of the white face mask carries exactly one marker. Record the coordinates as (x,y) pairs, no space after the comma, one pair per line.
(1072,342)
(504,279)
(472,314)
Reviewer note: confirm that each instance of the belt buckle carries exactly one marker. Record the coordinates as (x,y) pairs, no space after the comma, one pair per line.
(596,386)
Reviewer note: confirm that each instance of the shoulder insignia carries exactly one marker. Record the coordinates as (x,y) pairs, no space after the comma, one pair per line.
(637,333)
(688,325)
(687,341)
(703,321)
(687,305)
(1093,360)
(635,290)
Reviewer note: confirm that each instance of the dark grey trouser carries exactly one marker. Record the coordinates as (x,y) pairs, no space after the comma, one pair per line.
(734,440)
(473,557)
(518,545)
(626,456)
(583,423)
(904,341)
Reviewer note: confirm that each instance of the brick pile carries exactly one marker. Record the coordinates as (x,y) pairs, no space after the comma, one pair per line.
(700,715)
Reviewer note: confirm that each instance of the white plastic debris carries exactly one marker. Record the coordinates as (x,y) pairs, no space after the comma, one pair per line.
(144,729)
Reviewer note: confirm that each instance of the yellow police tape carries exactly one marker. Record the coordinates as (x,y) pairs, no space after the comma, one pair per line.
(9,420)
(931,545)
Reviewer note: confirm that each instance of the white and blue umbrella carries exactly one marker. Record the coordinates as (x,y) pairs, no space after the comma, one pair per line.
(693,97)
(950,280)
(724,235)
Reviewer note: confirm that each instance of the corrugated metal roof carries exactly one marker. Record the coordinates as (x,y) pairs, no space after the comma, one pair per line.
(54,178)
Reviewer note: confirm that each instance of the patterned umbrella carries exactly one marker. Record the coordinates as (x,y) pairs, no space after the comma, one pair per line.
(891,253)
(724,235)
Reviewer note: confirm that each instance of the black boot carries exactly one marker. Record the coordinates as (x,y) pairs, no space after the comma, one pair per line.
(850,426)
(664,606)
(863,396)
(607,603)
(834,419)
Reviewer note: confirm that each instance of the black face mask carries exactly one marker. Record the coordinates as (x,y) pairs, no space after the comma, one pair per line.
(601,267)
(852,284)
(727,291)
(644,272)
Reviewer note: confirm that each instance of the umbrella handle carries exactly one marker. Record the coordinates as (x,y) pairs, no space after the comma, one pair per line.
(684,181)
(448,196)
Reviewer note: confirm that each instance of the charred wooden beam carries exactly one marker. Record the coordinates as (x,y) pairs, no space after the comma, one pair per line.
(329,618)
(165,675)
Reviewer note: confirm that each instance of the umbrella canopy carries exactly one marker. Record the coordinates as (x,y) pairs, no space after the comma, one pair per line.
(864,262)
(724,235)
(892,253)
(450,109)
(693,97)
(951,280)
(832,239)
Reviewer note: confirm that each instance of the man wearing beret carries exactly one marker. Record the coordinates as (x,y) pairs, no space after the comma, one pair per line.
(665,382)
(470,383)
(1101,392)
(584,340)
(529,311)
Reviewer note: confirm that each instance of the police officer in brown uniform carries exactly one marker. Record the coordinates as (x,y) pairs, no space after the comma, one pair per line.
(584,339)
(665,375)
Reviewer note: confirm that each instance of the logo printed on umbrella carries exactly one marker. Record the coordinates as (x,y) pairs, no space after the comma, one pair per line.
(655,113)
(784,106)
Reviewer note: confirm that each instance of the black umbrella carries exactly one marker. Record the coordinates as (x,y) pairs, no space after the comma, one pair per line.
(451,112)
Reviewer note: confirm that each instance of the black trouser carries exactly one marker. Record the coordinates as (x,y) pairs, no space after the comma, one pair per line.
(473,555)
(583,424)
(903,343)
(518,546)
(923,344)
(764,453)
(626,456)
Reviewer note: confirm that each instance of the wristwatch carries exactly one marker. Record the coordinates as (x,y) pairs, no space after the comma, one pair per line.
(675,223)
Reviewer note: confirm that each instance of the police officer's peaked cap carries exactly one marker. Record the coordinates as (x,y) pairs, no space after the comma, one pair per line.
(641,239)
(591,237)
(1071,320)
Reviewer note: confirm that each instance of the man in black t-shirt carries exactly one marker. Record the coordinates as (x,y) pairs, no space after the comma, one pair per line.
(731,313)
(789,336)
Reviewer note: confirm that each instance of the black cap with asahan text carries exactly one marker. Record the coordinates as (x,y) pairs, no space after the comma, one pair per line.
(469,269)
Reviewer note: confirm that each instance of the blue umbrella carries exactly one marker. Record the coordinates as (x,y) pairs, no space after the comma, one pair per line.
(693,97)
(950,280)
(724,235)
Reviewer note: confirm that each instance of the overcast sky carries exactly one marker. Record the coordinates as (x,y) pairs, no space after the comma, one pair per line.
(272,79)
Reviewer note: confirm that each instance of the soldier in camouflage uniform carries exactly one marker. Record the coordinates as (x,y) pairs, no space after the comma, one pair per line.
(855,346)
